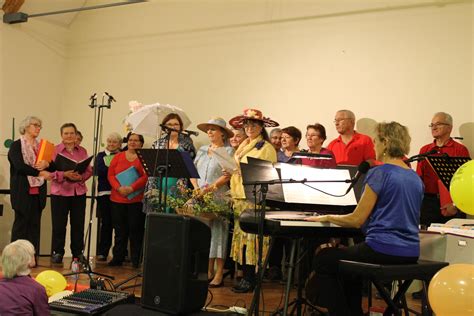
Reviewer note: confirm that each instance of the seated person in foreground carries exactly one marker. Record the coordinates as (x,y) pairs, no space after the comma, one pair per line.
(388,213)
(19,293)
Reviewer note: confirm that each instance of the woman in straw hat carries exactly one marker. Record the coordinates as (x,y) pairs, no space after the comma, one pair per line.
(257,145)
(212,179)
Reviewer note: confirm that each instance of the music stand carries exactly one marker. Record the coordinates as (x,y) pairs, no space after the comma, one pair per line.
(263,173)
(165,162)
(258,173)
(169,162)
(446,166)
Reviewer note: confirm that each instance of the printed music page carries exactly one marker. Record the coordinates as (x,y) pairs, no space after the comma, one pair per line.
(316,192)
(225,160)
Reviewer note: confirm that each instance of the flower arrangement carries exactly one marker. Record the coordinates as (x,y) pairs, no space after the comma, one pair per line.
(199,202)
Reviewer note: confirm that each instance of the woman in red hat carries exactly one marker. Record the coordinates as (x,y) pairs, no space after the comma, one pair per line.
(256,145)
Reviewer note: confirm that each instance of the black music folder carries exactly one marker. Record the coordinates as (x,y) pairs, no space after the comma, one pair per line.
(64,163)
(180,164)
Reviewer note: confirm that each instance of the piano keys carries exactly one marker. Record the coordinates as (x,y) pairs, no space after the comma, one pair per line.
(292,224)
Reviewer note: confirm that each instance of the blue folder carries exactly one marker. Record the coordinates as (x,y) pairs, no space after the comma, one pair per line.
(127,177)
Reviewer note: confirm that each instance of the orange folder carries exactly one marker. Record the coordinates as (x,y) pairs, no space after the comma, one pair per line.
(444,196)
(46,151)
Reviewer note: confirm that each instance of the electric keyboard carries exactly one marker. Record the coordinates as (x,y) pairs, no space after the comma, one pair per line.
(292,224)
(90,301)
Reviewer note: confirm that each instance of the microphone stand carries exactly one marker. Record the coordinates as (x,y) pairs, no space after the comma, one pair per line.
(162,195)
(98,115)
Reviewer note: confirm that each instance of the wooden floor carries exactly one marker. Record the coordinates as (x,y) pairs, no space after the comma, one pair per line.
(222,298)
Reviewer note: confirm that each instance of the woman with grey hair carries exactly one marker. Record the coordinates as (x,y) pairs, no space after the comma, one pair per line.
(212,179)
(101,166)
(19,293)
(27,182)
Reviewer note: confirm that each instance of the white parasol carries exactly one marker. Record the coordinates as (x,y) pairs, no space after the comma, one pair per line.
(147,120)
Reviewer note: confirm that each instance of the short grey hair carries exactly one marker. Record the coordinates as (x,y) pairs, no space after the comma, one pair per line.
(447,117)
(115,136)
(348,113)
(27,121)
(275,130)
(17,258)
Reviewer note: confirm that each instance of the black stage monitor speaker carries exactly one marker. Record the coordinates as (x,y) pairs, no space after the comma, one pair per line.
(175,263)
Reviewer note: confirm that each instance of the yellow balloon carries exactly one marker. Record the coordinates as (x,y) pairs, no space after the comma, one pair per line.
(462,187)
(53,281)
(451,291)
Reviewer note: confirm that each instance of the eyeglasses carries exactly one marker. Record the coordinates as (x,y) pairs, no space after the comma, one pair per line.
(36,125)
(311,135)
(436,125)
(172,124)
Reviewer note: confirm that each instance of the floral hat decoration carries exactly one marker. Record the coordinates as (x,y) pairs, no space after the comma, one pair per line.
(252,114)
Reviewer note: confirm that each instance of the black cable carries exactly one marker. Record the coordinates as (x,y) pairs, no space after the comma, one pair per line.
(281,300)
(210,300)
(330,194)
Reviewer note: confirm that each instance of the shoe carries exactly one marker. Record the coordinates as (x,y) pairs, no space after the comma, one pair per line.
(101,258)
(57,258)
(417,295)
(115,263)
(213,286)
(243,287)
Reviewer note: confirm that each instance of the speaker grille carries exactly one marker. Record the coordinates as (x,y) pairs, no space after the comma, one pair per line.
(175,263)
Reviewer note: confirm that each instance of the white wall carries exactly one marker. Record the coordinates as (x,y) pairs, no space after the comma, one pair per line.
(214,58)
(298,61)
(32,78)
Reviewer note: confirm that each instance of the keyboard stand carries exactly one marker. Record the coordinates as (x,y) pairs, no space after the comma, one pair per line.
(299,301)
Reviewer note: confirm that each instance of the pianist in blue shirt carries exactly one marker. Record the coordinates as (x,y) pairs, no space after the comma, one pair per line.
(387,213)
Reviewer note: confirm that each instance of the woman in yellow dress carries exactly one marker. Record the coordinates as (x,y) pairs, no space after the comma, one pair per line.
(257,145)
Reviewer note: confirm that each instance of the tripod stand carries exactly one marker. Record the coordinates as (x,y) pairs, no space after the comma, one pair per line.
(98,115)
(297,250)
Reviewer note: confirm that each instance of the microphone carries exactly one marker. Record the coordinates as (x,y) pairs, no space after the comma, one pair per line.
(361,169)
(93,100)
(457,137)
(420,156)
(194,133)
(111,98)
(185,132)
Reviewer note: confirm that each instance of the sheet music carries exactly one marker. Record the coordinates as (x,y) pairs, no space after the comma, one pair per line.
(225,160)
(300,193)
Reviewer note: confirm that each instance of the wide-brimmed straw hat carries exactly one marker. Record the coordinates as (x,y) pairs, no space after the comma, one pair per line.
(219,122)
(252,114)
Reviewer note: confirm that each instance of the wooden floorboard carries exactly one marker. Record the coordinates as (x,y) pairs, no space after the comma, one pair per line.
(273,292)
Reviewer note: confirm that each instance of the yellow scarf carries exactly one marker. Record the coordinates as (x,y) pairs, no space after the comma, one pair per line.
(265,152)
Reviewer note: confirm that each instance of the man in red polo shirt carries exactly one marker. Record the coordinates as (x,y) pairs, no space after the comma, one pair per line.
(431,210)
(351,147)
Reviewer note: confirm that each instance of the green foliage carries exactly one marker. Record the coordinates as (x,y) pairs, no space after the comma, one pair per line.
(195,202)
